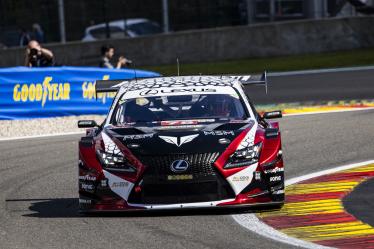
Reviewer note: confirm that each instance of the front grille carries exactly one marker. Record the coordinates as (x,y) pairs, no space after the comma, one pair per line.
(200,164)
(180,193)
(206,185)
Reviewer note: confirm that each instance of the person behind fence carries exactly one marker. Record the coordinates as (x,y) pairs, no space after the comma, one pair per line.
(107,53)
(38,33)
(37,56)
(24,37)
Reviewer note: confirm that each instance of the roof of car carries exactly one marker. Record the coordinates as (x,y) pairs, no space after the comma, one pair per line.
(118,23)
(180,81)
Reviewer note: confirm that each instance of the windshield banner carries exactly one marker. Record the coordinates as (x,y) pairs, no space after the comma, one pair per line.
(27,93)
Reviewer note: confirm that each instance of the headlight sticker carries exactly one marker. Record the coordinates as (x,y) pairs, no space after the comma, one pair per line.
(110,146)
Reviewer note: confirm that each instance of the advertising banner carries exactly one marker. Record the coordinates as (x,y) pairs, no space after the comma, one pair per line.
(27,93)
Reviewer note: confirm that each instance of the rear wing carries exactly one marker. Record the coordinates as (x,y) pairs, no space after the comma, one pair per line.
(253,80)
(104,86)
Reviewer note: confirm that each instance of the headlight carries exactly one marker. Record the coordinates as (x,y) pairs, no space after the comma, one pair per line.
(115,162)
(244,157)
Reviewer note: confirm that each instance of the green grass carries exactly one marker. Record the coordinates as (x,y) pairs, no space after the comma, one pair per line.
(358,57)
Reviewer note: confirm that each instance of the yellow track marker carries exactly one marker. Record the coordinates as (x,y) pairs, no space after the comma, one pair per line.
(330,231)
(323,187)
(308,207)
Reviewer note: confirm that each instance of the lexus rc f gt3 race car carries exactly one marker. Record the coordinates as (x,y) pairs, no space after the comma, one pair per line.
(180,142)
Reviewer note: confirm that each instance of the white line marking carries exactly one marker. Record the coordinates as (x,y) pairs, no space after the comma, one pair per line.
(252,223)
(41,136)
(318,71)
(327,171)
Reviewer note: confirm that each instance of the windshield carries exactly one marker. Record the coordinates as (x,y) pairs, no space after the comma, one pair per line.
(180,107)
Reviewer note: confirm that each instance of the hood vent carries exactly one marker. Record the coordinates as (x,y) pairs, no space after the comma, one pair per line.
(127,131)
(230,126)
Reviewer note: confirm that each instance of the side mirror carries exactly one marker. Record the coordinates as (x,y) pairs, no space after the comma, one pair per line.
(87,124)
(273,114)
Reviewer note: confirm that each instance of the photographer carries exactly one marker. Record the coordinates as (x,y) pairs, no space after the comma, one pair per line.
(107,53)
(36,56)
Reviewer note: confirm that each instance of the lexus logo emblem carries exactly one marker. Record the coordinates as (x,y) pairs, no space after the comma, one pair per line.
(179,166)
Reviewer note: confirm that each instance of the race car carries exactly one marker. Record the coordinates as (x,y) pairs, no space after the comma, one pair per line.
(181,142)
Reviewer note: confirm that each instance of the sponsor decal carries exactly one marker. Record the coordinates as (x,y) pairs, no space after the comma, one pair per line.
(179,177)
(87,187)
(84,201)
(186,122)
(179,166)
(178,122)
(151,92)
(258,175)
(240,178)
(87,178)
(278,192)
(274,113)
(136,137)
(179,127)
(41,92)
(179,141)
(224,141)
(104,183)
(119,185)
(182,82)
(133,146)
(84,122)
(273,171)
(234,121)
(219,133)
(275,178)
(271,133)
(207,120)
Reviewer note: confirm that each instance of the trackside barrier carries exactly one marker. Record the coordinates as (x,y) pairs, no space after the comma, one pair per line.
(27,93)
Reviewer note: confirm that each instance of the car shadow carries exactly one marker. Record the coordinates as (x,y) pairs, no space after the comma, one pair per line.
(68,208)
(49,208)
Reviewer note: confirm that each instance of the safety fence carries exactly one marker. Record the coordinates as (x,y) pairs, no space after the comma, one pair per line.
(27,93)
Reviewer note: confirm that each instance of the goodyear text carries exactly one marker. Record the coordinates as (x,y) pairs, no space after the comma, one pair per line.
(41,92)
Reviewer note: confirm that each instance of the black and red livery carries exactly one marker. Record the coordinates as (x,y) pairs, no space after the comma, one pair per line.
(181,142)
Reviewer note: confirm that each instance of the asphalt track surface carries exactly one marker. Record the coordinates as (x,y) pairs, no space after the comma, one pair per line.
(38,198)
(38,181)
(316,87)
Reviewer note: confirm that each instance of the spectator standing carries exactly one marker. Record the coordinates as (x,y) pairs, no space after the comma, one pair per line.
(36,56)
(37,33)
(107,53)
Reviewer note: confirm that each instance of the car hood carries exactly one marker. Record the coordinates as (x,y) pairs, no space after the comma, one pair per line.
(178,140)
